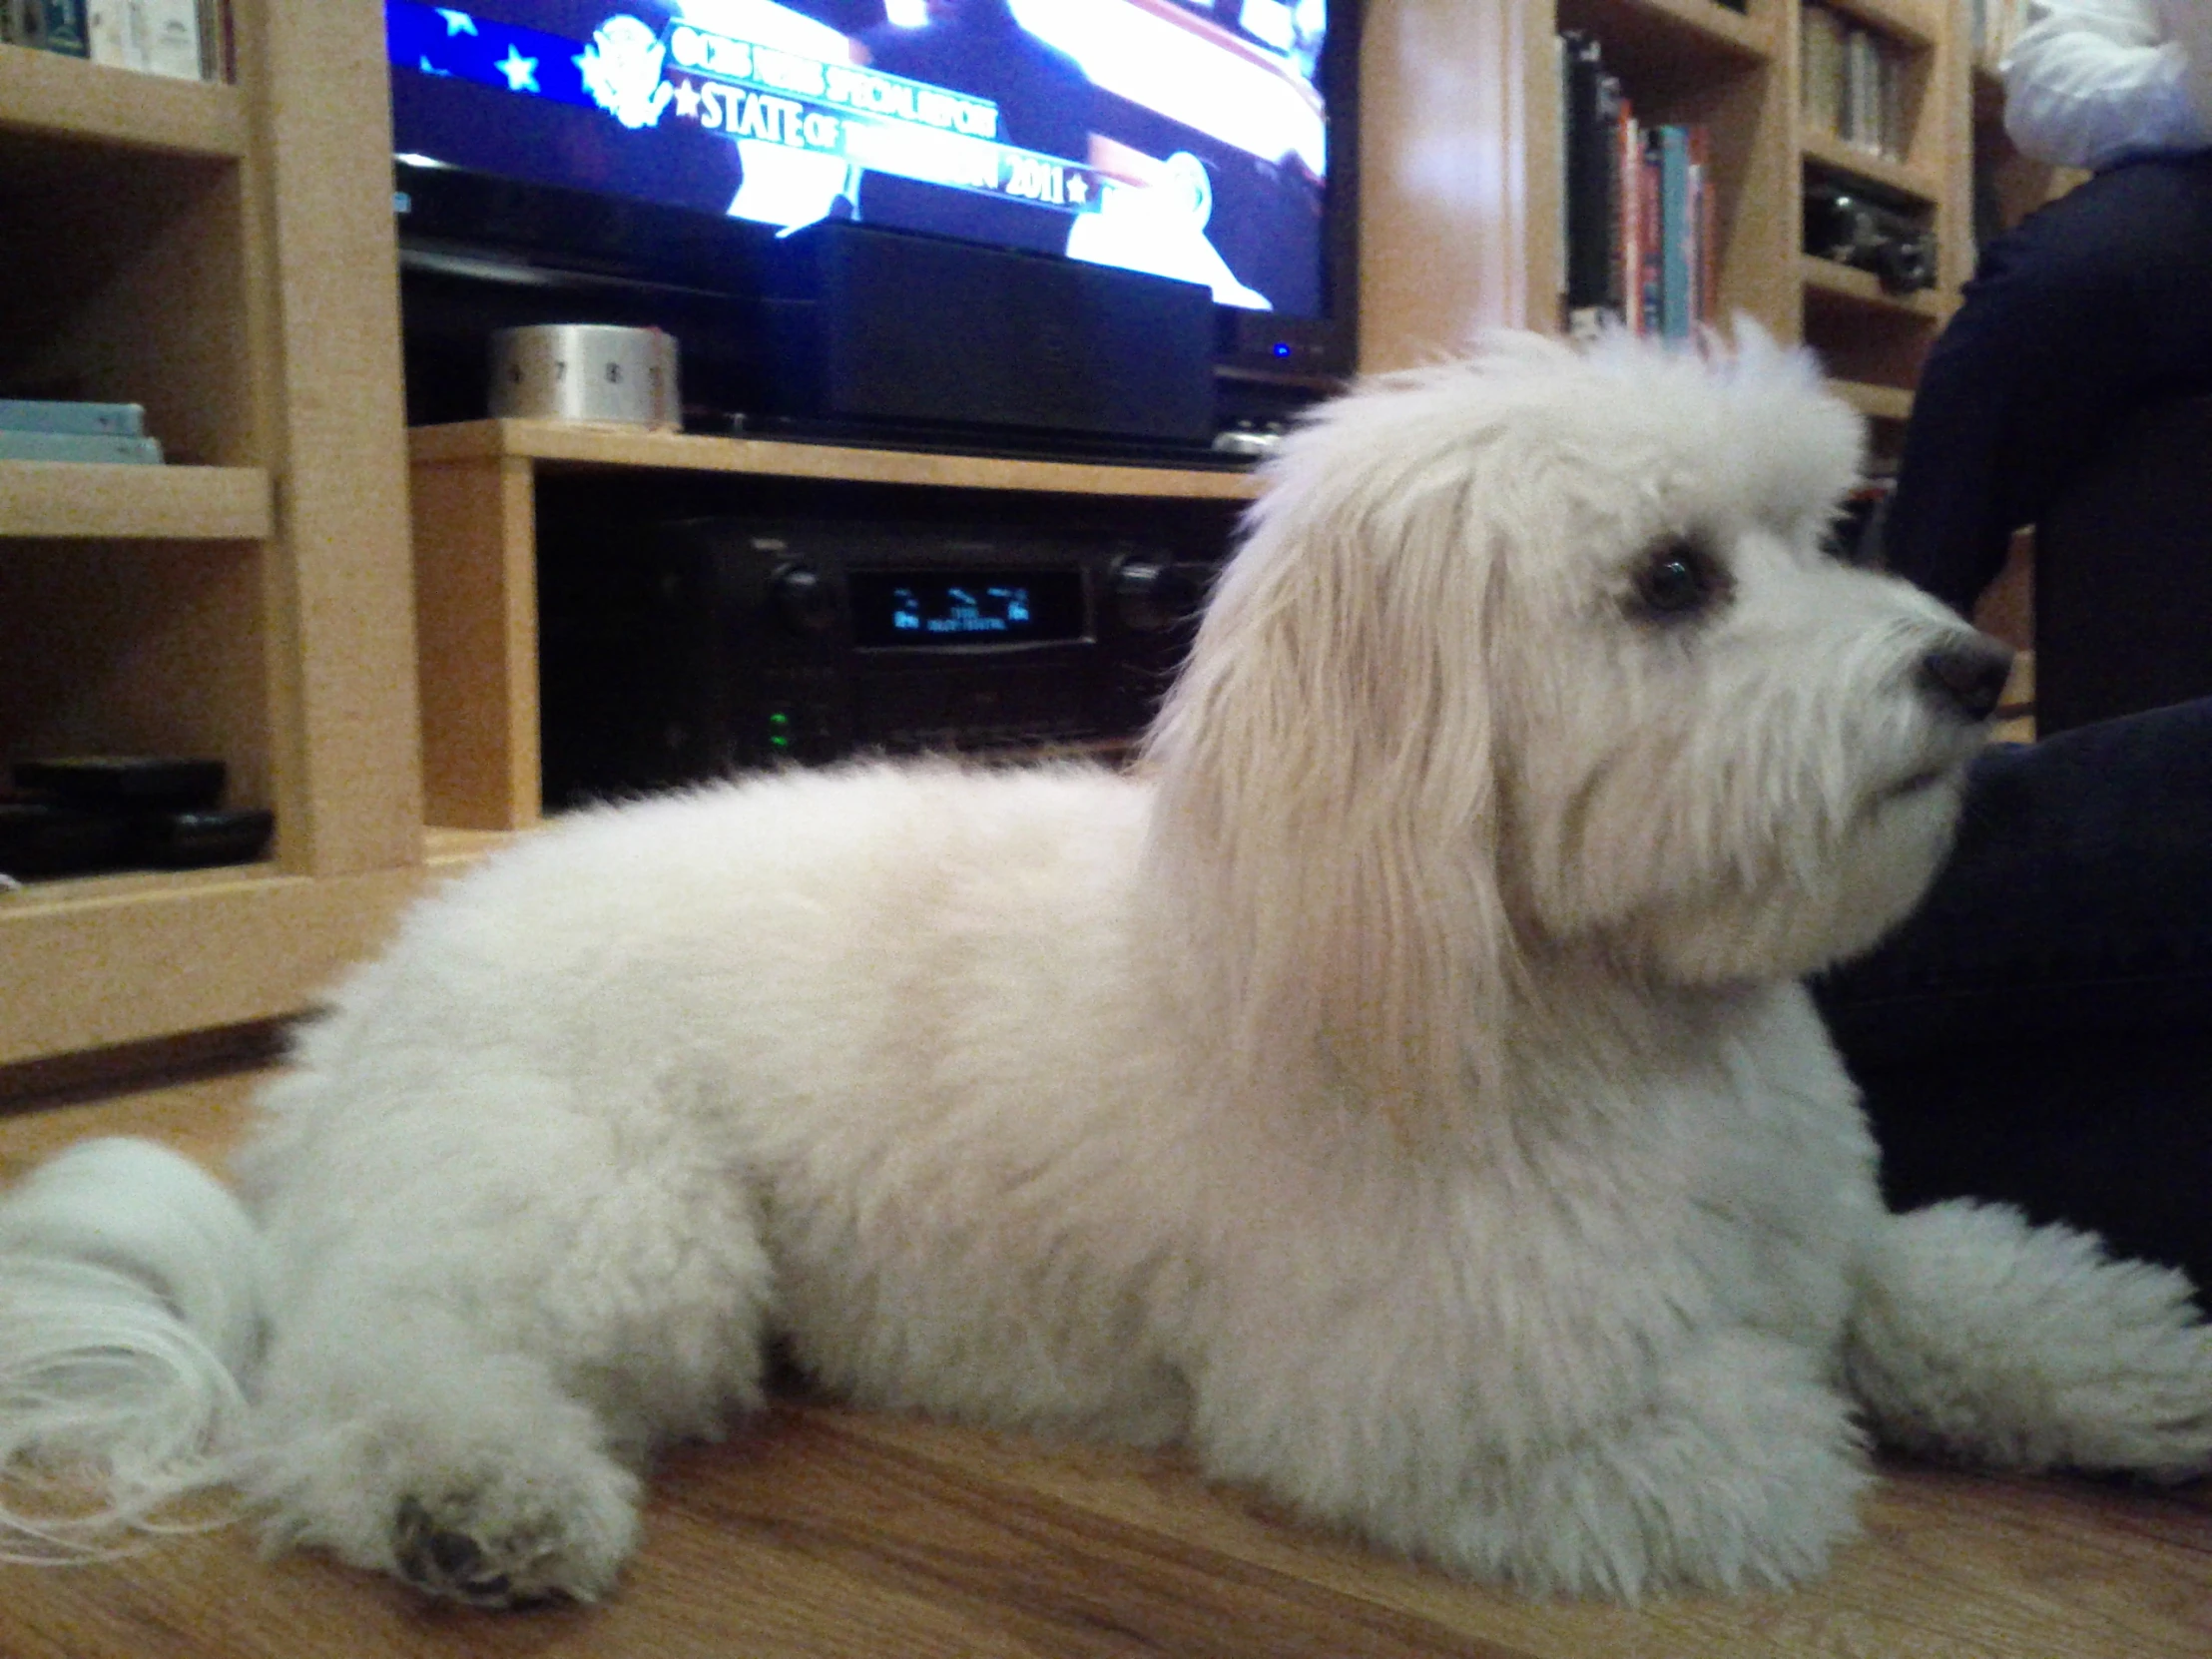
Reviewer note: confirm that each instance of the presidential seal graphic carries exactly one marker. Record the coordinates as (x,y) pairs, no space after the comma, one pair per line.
(622,70)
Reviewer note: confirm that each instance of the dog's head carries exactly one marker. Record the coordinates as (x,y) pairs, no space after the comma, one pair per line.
(1542,652)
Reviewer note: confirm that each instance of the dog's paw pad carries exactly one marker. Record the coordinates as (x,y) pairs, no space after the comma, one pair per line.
(447,1563)
(458,1548)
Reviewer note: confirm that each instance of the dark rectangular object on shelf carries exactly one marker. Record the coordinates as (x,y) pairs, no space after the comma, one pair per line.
(680,652)
(1591,101)
(43,839)
(197,840)
(146,782)
(914,332)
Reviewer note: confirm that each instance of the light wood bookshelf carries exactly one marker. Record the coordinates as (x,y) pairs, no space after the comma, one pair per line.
(1679,61)
(222,253)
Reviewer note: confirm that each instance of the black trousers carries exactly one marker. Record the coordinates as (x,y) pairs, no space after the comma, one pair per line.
(2041,1031)
(2084,311)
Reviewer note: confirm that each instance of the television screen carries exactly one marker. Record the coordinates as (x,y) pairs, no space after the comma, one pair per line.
(1185,138)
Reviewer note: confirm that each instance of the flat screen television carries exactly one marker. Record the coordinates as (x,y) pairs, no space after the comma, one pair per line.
(1208,141)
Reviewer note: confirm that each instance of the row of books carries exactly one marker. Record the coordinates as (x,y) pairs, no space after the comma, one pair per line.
(1638,207)
(178,38)
(36,430)
(1852,83)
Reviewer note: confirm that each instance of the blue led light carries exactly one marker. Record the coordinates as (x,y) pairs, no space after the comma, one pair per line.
(1282,348)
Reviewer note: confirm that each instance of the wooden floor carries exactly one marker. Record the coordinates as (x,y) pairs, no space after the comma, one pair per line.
(826,1532)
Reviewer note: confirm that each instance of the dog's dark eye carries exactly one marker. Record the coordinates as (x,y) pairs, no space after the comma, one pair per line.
(1677,579)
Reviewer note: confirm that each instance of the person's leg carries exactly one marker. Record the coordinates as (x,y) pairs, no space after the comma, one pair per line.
(2079,314)
(2041,1031)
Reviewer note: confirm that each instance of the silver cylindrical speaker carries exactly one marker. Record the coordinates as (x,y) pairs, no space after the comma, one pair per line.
(590,371)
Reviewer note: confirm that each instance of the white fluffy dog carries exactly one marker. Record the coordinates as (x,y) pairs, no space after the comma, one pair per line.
(1400,1091)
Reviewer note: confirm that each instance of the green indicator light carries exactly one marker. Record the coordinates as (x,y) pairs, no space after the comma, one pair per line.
(779,721)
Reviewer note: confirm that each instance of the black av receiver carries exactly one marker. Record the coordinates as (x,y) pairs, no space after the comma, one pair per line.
(716,645)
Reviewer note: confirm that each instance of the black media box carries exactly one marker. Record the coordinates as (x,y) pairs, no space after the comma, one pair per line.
(898,330)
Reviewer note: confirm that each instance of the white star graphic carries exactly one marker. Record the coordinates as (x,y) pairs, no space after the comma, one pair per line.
(458,23)
(686,99)
(521,72)
(1078,187)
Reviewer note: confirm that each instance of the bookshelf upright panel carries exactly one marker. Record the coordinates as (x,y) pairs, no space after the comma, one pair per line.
(220,252)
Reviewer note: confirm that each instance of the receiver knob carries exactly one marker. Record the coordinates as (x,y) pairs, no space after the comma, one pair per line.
(803,599)
(1152,596)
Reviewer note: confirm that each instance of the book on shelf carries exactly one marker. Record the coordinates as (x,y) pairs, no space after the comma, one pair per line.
(82,448)
(1852,83)
(47,25)
(157,37)
(1590,97)
(28,414)
(1638,209)
(181,39)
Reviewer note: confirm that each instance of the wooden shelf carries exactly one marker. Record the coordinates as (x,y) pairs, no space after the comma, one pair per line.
(1645,35)
(569,443)
(1827,151)
(1914,22)
(1874,402)
(231,946)
(147,503)
(44,95)
(1863,288)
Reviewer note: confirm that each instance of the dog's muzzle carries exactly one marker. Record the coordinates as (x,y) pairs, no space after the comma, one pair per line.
(1966,679)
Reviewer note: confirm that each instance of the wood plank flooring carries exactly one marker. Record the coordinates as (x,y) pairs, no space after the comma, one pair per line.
(820,1531)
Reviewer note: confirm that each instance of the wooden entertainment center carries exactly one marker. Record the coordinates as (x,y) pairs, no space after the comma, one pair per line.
(223,252)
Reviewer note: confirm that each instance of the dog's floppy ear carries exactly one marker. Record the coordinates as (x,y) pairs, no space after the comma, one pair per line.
(1323,851)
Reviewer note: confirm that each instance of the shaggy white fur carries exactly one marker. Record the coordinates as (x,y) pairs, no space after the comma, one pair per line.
(1401,1093)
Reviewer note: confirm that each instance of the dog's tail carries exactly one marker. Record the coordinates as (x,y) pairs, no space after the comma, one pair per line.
(1980,1337)
(129,1290)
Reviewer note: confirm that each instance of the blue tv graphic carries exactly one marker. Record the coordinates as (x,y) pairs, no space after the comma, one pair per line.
(876,122)
(438,40)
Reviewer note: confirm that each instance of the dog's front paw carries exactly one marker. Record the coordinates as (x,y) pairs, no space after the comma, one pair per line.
(1982,1337)
(1743,1473)
(498,1500)
(507,1543)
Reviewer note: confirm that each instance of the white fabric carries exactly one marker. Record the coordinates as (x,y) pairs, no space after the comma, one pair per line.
(2089,83)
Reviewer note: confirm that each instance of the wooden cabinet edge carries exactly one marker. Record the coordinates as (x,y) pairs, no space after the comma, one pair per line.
(67,501)
(47,95)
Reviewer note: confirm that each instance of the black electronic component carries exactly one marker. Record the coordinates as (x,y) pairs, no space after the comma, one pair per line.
(136,782)
(1852,227)
(717,644)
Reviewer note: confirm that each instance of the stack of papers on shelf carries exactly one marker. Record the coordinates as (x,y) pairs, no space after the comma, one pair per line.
(35,430)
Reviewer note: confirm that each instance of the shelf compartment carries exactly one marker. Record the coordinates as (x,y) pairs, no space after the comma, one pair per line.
(1875,402)
(1907,21)
(140,648)
(1847,285)
(1825,151)
(130,286)
(44,95)
(475,496)
(1663,39)
(62,502)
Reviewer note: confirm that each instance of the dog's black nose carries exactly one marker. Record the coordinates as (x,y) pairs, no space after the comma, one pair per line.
(1967,678)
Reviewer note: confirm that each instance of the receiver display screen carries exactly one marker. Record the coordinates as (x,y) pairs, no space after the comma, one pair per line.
(928,608)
